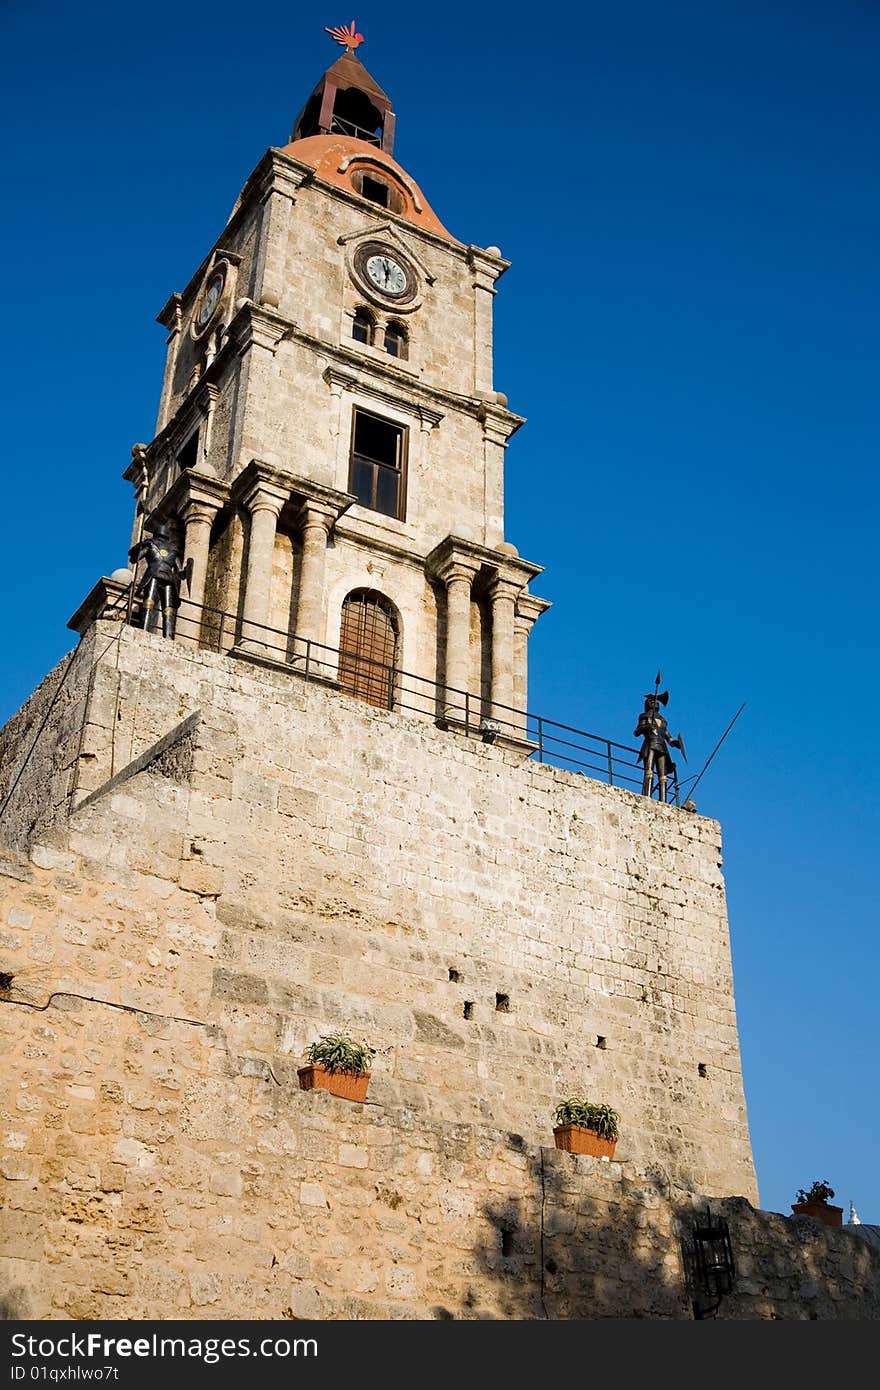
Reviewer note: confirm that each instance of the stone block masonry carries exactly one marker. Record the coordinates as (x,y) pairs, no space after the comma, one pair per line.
(293,861)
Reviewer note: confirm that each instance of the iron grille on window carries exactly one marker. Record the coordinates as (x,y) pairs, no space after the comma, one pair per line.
(368,649)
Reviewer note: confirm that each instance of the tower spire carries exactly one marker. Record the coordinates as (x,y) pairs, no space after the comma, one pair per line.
(347,100)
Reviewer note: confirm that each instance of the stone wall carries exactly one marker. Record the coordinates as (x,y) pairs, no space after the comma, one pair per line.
(256,860)
(159,1159)
(368,869)
(35,786)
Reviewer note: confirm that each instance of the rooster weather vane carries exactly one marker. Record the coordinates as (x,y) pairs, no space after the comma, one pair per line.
(347,38)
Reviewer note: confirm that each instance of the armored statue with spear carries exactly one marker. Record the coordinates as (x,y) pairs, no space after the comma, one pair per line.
(656,743)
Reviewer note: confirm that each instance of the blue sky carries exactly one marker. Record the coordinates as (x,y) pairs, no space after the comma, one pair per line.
(689,197)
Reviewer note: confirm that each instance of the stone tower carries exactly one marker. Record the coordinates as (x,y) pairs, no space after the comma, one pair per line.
(329,439)
(294,817)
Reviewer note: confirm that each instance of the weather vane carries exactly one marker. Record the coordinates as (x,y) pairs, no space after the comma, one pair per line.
(346,37)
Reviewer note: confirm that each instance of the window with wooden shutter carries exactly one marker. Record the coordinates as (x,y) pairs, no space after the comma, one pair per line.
(368,648)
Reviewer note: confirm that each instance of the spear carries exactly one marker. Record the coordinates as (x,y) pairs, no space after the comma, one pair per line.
(717,746)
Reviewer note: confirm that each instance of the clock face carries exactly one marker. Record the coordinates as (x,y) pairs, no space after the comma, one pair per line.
(386,274)
(210,300)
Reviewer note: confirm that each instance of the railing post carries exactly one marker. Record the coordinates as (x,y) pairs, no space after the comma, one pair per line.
(467,713)
(308,657)
(391,687)
(610,766)
(540,739)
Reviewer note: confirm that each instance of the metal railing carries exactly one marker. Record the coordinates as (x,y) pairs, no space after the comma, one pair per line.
(389,686)
(338,125)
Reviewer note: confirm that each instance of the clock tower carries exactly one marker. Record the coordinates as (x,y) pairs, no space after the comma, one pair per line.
(330,444)
(226,844)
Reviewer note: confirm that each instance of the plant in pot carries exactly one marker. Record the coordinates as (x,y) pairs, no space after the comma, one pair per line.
(582,1127)
(813,1201)
(337,1064)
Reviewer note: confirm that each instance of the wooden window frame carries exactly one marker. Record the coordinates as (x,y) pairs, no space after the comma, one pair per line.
(402,469)
(364,315)
(400,332)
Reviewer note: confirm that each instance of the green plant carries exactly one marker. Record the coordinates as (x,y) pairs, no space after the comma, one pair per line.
(337,1052)
(601,1119)
(819,1192)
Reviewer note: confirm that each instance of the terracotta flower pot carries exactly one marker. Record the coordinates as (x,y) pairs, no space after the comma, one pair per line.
(348,1085)
(821,1211)
(576,1140)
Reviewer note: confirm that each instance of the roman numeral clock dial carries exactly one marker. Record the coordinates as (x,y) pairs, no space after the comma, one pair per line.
(385,273)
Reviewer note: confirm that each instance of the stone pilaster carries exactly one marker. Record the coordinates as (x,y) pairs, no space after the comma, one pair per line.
(456,569)
(503,594)
(263,498)
(316,520)
(528,610)
(196,498)
(486,267)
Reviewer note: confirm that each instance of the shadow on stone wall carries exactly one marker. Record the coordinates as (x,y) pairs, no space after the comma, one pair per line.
(589,1243)
(593,1243)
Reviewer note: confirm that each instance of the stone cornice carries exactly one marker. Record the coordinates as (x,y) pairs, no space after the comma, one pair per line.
(529,609)
(492,565)
(275,173)
(260,476)
(453,554)
(485,263)
(499,423)
(194,488)
(104,600)
(256,325)
(393,234)
(314,496)
(348,381)
(171,313)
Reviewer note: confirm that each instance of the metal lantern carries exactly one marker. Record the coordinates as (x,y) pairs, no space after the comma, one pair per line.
(712,1263)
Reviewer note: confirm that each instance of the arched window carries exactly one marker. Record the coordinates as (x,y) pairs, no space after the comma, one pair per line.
(368,648)
(363,326)
(396,344)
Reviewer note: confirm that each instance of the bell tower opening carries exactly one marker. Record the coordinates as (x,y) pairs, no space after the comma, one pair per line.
(347,101)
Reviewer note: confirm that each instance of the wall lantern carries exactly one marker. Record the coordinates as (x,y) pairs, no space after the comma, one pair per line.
(711,1262)
(489,729)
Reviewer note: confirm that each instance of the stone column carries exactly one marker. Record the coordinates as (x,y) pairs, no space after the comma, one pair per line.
(196,497)
(521,629)
(316,519)
(458,579)
(264,502)
(198,518)
(528,610)
(503,596)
